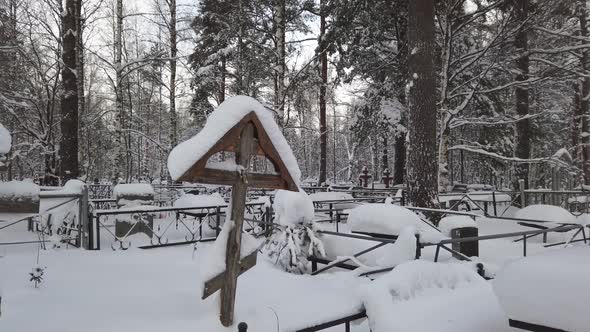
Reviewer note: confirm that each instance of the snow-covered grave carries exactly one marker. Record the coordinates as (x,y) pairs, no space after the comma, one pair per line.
(19,197)
(390,220)
(548,291)
(133,194)
(243,126)
(337,200)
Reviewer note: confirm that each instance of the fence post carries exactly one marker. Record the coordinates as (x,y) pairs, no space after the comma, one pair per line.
(418,246)
(83,217)
(554,185)
(97,244)
(267,221)
(494,202)
(522,198)
(217,220)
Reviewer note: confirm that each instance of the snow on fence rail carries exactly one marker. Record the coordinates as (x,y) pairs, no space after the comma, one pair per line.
(60,218)
(183,225)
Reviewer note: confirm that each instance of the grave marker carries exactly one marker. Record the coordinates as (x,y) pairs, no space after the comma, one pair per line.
(246,139)
(386,177)
(364,177)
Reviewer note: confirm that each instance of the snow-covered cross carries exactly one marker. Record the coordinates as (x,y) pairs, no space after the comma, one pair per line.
(244,127)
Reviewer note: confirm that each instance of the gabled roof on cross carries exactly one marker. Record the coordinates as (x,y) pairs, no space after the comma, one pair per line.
(189,161)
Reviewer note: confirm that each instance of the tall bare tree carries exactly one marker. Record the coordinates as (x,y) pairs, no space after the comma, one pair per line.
(523,128)
(173,53)
(324,83)
(68,151)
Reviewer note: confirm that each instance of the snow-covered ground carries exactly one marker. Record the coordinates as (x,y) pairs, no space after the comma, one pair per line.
(159,290)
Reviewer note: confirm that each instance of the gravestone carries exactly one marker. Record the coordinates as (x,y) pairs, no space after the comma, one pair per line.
(128,196)
(364,177)
(386,178)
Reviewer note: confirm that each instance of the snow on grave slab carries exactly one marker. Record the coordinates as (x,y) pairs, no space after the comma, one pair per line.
(292,207)
(158,290)
(190,200)
(390,219)
(334,196)
(547,213)
(225,117)
(426,296)
(18,197)
(133,189)
(547,289)
(330,196)
(5,140)
(449,223)
(17,190)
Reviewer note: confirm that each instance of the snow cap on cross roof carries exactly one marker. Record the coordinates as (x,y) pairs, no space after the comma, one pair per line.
(225,117)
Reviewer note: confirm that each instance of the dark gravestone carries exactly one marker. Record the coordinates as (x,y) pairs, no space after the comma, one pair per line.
(364,177)
(140,222)
(468,249)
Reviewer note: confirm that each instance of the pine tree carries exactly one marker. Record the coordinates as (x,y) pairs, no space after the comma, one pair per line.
(422,166)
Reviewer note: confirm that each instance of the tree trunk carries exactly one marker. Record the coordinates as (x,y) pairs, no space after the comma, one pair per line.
(173,52)
(422,161)
(399,165)
(120,159)
(68,151)
(385,156)
(280,65)
(221,96)
(445,114)
(240,66)
(324,78)
(585,93)
(80,82)
(523,127)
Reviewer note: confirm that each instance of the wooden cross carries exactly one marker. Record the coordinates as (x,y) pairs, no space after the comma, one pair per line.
(246,147)
(386,177)
(246,139)
(364,177)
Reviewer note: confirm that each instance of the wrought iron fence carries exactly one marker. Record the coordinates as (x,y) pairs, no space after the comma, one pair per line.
(161,226)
